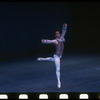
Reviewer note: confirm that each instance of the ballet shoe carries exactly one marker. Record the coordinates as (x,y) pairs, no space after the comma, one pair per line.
(39,59)
(59,85)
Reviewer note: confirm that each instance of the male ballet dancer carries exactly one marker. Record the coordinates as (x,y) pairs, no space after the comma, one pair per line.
(59,43)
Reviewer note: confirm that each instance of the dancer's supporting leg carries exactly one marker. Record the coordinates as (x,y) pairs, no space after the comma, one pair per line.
(57,64)
(56,59)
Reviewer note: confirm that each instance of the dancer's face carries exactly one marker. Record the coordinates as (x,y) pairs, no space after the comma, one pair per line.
(57,34)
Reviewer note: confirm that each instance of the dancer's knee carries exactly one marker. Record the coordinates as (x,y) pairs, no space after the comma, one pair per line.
(58,70)
(51,59)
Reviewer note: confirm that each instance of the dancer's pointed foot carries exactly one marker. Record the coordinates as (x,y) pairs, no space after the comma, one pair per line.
(59,85)
(39,59)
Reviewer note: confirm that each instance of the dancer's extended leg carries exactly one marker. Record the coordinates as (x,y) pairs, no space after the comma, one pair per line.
(46,59)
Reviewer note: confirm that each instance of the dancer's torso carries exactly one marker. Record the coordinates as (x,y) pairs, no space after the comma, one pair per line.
(59,48)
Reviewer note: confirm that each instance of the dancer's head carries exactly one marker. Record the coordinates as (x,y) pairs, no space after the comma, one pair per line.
(57,34)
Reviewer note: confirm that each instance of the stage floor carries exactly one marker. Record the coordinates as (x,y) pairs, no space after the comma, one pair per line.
(79,73)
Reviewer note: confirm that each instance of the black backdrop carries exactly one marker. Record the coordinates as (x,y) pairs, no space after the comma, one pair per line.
(24,24)
(86,26)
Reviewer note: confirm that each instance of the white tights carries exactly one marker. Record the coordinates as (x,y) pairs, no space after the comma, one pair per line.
(55,59)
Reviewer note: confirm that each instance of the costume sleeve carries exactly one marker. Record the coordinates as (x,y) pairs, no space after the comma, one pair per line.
(51,41)
(64,29)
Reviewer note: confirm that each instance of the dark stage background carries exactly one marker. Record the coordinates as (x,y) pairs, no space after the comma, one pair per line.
(24,24)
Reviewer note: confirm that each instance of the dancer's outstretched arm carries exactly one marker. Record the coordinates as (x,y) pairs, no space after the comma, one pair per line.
(64,29)
(46,41)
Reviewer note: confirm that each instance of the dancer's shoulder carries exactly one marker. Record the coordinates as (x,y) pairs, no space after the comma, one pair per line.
(61,39)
